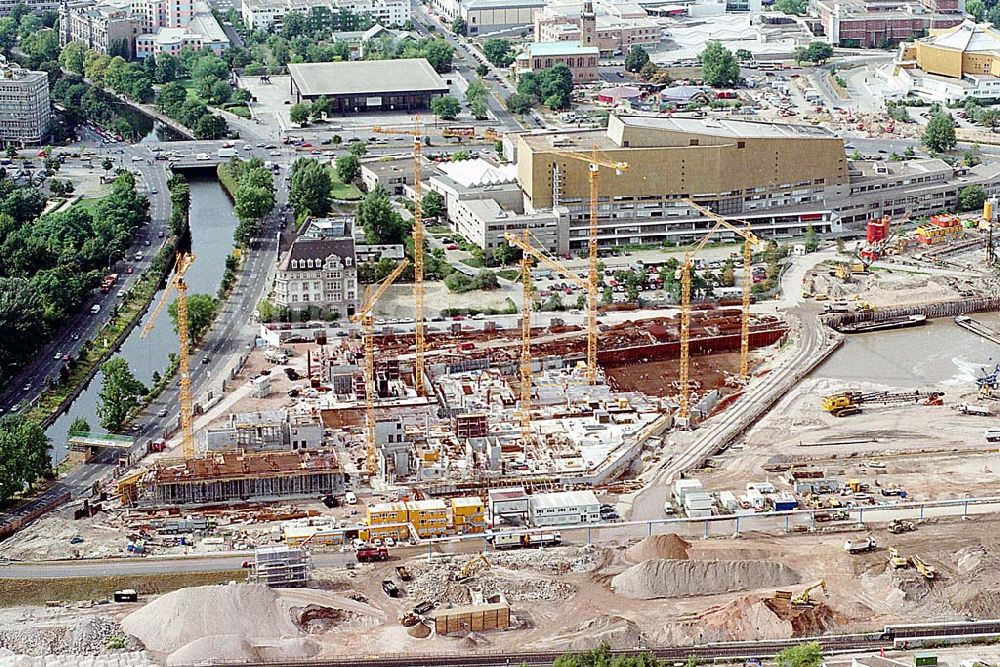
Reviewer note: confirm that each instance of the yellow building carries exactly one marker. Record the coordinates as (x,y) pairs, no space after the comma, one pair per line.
(468,515)
(967,49)
(387,520)
(428,517)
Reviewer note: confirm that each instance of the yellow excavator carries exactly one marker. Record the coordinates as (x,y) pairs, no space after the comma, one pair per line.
(470,566)
(804,599)
(923,568)
(895,560)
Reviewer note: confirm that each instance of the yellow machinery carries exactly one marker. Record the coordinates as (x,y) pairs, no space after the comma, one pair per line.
(923,568)
(418,252)
(895,560)
(594,164)
(750,240)
(471,566)
(181,266)
(367,319)
(841,405)
(897,526)
(804,599)
(527,253)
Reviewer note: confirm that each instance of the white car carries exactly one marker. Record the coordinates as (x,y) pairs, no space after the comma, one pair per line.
(201,156)
(389,543)
(358,544)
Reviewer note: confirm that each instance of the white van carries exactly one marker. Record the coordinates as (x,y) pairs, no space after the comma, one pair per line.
(96,308)
(350,498)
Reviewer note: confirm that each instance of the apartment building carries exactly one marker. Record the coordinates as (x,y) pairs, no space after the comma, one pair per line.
(6,6)
(268,14)
(319,270)
(24,105)
(100,26)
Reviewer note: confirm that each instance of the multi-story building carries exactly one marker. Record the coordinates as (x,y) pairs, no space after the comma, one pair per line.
(387,520)
(319,271)
(564,508)
(139,28)
(6,6)
(276,430)
(878,23)
(24,105)
(581,55)
(619,26)
(776,177)
(429,518)
(267,14)
(468,515)
(950,65)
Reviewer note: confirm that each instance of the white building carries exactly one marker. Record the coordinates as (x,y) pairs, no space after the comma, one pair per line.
(508,506)
(319,271)
(265,14)
(24,105)
(564,508)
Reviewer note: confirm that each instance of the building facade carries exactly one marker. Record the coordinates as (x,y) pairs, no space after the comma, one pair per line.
(319,272)
(565,508)
(268,14)
(619,26)
(879,23)
(370,85)
(102,27)
(24,105)
(949,65)
(485,16)
(580,56)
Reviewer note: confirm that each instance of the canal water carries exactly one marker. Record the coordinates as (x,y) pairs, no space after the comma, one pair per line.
(156,131)
(939,355)
(212,224)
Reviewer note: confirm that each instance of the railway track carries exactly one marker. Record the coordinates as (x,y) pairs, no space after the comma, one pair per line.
(890,638)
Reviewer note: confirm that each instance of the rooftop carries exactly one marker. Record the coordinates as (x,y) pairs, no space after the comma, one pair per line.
(968,37)
(722,127)
(233,465)
(563,499)
(568,48)
(366,77)
(477,172)
(503,4)
(318,250)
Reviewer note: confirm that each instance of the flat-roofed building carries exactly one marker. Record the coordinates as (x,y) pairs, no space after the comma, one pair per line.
(777,177)
(24,105)
(381,85)
(270,14)
(565,508)
(484,16)
(581,60)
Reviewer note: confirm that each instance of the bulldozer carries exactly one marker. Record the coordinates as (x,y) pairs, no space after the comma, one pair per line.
(895,560)
(897,526)
(804,599)
(923,568)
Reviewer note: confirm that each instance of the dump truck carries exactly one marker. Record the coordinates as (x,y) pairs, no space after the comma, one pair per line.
(859,546)
(898,526)
(846,403)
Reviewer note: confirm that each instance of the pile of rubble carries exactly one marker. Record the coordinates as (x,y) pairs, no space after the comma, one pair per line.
(91,635)
(557,560)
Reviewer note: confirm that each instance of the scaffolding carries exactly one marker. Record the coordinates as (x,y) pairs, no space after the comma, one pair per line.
(280,565)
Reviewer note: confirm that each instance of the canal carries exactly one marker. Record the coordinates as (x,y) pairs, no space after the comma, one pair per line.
(212,224)
(939,355)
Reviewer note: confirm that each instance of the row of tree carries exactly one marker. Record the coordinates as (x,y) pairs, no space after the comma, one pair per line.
(254,196)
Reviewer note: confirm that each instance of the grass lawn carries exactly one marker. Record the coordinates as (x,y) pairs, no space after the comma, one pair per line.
(474,262)
(342,190)
(15,592)
(439,230)
(240,110)
(189,87)
(509,274)
(88,204)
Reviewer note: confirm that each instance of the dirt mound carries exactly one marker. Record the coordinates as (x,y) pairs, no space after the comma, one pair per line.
(616,631)
(980,599)
(317,619)
(672,578)
(419,631)
(806,621)
(657,547)
(748,617)
(190,614)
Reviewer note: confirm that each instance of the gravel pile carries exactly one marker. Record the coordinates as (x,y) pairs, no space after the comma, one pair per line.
(679,578)
(658,547)
(87,636)
(514,575)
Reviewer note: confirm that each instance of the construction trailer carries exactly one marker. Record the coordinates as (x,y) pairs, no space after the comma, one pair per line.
(240,477)
(279,566)
(472,618)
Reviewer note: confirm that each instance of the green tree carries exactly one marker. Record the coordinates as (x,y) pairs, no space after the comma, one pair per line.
(840,246)
(743,55)
(636,59)
(24,455)
(299,113)
(482,70)
(120,391)
(459,26)
(939,135)
(989,118)
(439,54)
(210,126)
(976,9)
(971,198)
(201,314)
(819,52)
(497,51)
(382,224)
(357,148)
(310,188)
(446,107)
(348,167)
(71,56)
(79,425)
(432,204)
(804,655)
(791,7)
(811,239)
(519,103)
(322,105)
(475,98)
(719,66)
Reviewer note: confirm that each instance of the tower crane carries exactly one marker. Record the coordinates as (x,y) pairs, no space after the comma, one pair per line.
(594,164)
(528,252)
(750,240)
(367,319)
(418,251)
(181,266)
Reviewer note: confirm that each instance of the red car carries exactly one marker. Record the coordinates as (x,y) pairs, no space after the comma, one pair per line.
(451,246)
(306,145)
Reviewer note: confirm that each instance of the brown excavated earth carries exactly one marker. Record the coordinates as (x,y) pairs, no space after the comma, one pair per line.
(657,547)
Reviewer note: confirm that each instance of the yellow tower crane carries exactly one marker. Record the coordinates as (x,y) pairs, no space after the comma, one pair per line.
(181,266)
(750,240)
(367,319)
(418,250)
(528,252)
(594,164)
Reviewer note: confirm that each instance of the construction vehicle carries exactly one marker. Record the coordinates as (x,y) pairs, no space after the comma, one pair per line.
(804,599)
(371,554)
(471,566)
(859,546)
(846,403)
(181,266)
(923,568)
(895,560)
(366,317)
(403,573)
(749,241)
(898,526)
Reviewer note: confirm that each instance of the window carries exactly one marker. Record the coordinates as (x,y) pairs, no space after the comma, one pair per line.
(294,264)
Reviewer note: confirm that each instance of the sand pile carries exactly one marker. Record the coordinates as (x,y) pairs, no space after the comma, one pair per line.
(658,547)
(191,614)
(671,578)
(419,631)
(616,631)
(749,617)
(236,649)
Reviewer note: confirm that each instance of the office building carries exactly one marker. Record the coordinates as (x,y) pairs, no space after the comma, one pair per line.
(24,105)
(319,271)
(270,14)
(564,508)
(370,85)
(879,23)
